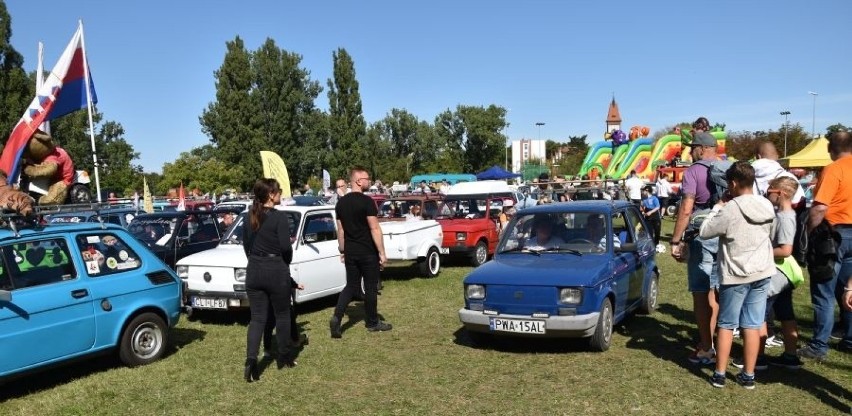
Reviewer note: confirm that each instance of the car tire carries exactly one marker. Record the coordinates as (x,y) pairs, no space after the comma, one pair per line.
(480,254)
(671,210)
(79,194)
(649,303)
(602,337)
(430,265)
(144,340)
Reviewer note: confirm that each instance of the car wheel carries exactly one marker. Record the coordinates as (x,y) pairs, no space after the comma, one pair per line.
(430,266)
(143,340)
(79,194)
(480,254)
(602,337)
(649,304)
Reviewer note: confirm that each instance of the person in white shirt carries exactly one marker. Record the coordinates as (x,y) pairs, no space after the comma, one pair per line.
(413,213)
(634,188)
(544,238)
(664,189)
(767,168)
(445,187)
(596,231)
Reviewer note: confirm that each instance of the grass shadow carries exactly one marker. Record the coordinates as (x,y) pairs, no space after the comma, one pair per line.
(664,340)
(518,344)
(823,389)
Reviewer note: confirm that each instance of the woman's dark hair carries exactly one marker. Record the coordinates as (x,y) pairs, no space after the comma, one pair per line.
(263,189)
(701,123)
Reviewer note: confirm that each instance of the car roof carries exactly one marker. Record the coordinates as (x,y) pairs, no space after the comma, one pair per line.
(606,207)
(479,188)
(54,229)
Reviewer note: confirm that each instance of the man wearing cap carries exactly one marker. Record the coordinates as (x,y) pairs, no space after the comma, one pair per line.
(701,269)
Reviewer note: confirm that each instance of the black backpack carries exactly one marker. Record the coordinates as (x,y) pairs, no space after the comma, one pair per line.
(716,182)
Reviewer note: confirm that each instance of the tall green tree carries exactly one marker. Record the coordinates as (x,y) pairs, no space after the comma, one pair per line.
(234,121)
(484,140)
(450,131)
(347,128)
(200,168)
(16,88)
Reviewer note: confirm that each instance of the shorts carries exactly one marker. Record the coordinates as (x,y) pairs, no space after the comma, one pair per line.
(702,270)
(743,306)
(782,305)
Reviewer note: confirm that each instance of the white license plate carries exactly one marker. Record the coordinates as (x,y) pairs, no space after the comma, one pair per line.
(517,325)
(445,250)
(209,303)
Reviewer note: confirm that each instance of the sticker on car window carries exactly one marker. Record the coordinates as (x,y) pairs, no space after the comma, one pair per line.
(93,239)
(92,267)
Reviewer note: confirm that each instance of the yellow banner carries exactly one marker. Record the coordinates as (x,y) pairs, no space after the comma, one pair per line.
(147,199)
(274,168)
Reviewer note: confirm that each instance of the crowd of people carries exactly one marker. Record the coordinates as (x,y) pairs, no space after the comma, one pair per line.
(737,236)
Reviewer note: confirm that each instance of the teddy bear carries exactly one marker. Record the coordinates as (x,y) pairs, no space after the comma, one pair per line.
(13,199)
(44,159)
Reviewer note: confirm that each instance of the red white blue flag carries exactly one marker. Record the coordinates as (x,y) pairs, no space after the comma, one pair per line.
(63,92)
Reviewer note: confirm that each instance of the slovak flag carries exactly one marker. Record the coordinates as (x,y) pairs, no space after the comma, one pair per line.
(63,92)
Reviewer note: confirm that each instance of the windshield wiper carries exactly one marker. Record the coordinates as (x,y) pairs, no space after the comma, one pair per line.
(510,250)
(538,251)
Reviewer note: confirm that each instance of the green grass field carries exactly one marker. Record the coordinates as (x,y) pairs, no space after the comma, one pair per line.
(427,365)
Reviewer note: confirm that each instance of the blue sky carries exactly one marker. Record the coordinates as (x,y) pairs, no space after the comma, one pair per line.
(557,62)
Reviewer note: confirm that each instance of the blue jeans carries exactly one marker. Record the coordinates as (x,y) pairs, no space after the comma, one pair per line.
(825,295)
(702,270)
(743,306)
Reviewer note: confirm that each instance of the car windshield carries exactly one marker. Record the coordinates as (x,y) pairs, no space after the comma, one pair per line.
(154,231)
(234,233)
(576,232)
(470,207)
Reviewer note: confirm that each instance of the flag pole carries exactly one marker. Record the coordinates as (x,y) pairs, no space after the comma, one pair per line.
(90,107)
(45,126)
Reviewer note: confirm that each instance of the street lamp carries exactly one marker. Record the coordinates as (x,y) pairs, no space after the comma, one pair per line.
(786,127)
(539,124)
(813,120)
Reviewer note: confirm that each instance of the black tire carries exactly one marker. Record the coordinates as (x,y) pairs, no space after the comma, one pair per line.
(649,303)
(79,194)
(480,254)
(602,337)
(144,340)
(430,265)
(671,210)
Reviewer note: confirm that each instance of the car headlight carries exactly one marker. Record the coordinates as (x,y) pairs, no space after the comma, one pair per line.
(461,236)
(183,272)
(570,295)
(240,274)
(475,292)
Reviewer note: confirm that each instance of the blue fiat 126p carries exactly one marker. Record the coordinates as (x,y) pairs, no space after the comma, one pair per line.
(564,270)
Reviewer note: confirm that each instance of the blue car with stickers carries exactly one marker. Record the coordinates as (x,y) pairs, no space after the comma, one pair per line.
(67,291)
(570,269)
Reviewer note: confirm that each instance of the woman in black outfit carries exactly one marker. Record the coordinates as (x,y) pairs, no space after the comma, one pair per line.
(266,241)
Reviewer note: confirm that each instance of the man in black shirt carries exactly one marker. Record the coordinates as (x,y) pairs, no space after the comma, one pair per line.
(361,249)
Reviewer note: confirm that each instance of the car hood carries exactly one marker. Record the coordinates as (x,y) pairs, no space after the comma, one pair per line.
(548,269)
(229,255)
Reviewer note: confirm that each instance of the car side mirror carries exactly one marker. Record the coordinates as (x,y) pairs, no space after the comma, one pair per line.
(626,248)
(5,296)
(311,238)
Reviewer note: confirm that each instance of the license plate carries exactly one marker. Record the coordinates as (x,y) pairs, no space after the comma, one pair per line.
(445,250)
(517,325)
(209,303)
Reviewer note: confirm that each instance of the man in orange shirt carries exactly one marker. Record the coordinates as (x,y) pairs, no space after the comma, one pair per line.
(833,202)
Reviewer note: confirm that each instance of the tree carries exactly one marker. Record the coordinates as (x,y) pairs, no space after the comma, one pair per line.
(450,131)
(199,168)
(484,138)
(16,88)
(742,145)
(264,101)
(347,128)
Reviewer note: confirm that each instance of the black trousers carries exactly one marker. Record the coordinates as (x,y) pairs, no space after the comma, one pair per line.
(654,224)
(268,285)
(270,324)
(664,202)
(366,266)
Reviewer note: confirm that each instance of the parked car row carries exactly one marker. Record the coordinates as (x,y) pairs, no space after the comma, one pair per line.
(103,280)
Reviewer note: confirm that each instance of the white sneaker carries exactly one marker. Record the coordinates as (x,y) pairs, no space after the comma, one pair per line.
(736,333)
(774,341)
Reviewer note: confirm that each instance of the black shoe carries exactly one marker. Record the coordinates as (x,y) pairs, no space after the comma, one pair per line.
(761,364)
(380,326)
(252,371)
(285,362)
(334,327)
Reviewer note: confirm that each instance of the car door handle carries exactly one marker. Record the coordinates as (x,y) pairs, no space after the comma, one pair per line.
(79,293)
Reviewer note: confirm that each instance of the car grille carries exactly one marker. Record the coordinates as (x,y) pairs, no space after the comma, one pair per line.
(161,277)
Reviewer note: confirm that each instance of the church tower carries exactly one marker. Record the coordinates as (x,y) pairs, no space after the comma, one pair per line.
(613,117)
